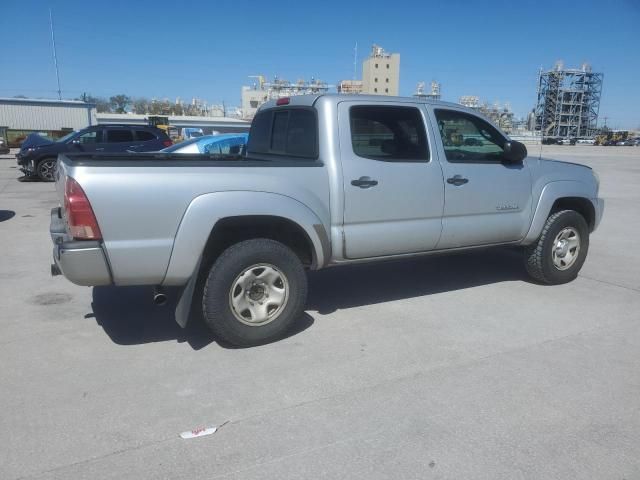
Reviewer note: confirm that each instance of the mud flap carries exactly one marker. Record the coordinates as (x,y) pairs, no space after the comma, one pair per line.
(183,309)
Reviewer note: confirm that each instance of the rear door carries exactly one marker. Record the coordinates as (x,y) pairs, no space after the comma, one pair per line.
(119,139)
(486,199)
(393,187)
(147,141)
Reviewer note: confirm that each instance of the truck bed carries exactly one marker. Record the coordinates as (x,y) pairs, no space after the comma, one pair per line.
(140,199)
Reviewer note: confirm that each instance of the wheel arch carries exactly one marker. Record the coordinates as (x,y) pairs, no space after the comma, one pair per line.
(562,195)
(578,204)
(215,221)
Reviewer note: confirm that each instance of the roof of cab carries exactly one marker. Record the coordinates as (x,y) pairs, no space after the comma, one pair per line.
(310,100)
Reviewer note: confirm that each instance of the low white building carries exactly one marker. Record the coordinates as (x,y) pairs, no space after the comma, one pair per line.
(20,117)
(207,124)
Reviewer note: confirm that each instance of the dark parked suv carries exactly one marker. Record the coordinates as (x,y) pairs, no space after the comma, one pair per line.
(38,155)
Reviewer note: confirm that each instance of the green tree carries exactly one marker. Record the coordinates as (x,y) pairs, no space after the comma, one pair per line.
(119,103)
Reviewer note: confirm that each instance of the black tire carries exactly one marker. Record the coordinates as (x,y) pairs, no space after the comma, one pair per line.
(539,259)
(46,169)
(216,299)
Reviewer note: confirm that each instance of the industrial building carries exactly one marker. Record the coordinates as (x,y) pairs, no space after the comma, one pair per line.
(20,117)
(381,72)
(501,115)
(353,87)
(568,101)
(261,91)
(434,94)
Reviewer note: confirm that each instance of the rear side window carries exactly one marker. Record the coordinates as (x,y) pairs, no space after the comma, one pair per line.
(144,136)
(119,135)
(290,132)
(387,133)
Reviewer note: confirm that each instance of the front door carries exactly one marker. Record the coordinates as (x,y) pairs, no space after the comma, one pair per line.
(90,141)
(486,199)
(393,188)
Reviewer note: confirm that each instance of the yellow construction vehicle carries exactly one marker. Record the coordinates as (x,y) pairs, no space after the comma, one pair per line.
(162,122)
(611,137)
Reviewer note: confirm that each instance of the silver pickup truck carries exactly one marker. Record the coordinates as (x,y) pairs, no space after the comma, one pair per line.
(327,180)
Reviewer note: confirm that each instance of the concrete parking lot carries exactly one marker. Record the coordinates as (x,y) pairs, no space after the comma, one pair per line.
(444,367)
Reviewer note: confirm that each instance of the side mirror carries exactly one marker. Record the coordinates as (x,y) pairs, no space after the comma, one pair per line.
(514,152)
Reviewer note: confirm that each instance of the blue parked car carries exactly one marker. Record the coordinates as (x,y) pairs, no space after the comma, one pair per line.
(228,143)
(38,154)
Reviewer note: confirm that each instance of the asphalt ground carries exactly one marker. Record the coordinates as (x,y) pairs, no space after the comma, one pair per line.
(444,367)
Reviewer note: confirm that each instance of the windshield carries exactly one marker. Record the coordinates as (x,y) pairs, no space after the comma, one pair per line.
(66,137)
(178,146)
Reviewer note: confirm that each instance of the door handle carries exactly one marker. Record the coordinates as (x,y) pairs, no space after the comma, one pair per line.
(99,149)
(364,182)
(457,180)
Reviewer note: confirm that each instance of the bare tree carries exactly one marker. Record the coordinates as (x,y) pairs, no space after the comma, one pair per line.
(102,104)
(140,105)
(177,109)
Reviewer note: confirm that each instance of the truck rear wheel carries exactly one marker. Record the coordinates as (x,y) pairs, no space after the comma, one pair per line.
(561,250)
(254,292)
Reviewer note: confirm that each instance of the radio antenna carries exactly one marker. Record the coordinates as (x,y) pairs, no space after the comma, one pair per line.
(355,61)
(55,56)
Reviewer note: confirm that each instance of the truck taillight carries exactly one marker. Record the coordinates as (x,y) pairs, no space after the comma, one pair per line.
(167,143)
(80,217)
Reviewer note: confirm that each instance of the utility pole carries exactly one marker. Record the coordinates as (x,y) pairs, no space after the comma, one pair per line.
(55,56)
(355,61)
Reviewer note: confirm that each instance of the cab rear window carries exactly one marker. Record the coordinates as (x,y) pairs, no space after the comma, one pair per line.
(289,132)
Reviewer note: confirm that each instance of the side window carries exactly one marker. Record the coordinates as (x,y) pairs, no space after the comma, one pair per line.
(467,138)
(91,137)
(115,135)
(279,132)
(289,132)
(302,134)
(144,136)
(260,133)
(392,134)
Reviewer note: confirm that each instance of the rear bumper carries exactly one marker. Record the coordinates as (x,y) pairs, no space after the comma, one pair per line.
(81,262)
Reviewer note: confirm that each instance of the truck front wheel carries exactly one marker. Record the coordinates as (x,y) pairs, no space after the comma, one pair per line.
(46,169)
(254,292)
(561,250)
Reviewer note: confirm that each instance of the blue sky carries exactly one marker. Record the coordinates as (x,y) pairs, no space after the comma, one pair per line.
(207,49)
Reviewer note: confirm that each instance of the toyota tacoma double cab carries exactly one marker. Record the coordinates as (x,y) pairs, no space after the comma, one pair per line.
(326,180)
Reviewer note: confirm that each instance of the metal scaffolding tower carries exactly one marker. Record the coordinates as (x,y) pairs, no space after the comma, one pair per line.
(568,101)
